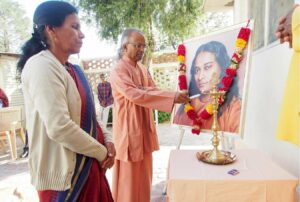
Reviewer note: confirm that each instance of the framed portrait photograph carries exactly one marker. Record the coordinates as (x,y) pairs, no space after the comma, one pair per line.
(207,56)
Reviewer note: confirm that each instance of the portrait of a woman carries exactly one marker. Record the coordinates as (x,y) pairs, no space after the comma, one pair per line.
(211,59)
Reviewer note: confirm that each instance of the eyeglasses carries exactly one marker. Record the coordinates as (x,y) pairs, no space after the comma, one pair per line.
(138,45)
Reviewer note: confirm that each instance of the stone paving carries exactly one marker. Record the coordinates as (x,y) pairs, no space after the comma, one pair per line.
(15,182)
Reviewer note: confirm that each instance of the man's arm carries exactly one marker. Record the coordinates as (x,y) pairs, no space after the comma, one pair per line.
(149,97)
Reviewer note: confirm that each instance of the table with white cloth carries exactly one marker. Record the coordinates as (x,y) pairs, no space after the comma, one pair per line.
(259,179)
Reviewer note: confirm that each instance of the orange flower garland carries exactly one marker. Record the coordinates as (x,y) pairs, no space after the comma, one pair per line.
(227,80)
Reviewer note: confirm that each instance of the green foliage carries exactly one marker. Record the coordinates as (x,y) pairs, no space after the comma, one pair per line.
(172,20)
(109,120)
(15,26)
(163,116)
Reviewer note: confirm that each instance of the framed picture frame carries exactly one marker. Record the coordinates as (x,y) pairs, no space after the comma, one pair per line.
(208,55)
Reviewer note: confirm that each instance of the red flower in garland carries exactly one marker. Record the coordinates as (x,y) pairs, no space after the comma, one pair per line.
(196,130)
(191,114)
(182,82)
(221,100)
(244,33)
(196,126)
(236,58)
(181,50)
(197,121)
(204,114)
(227,81)
(230,72)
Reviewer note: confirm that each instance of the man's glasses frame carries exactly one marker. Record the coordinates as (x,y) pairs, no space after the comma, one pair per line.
(138,45)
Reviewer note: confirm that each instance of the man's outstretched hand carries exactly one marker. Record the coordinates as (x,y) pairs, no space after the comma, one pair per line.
(181,98)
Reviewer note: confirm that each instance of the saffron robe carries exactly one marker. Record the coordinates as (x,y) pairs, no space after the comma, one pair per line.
(134,133)
(135,96)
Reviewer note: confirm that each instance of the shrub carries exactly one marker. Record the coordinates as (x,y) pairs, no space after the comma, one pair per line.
(163,116)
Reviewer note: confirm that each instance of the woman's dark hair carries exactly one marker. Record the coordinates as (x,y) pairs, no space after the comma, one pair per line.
(223,59)
(49,13)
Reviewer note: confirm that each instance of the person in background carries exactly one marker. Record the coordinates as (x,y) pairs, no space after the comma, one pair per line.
(210,58)
(69,152)
(134,133)
(105,99)
(289,118)
(3,99)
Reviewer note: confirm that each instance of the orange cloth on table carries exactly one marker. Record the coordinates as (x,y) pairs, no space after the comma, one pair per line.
(259,180)
(134,133)
(229,120)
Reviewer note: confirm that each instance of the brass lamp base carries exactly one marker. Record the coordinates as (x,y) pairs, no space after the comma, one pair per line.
(216,157)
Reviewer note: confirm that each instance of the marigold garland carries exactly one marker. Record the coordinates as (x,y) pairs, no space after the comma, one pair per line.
(227,80)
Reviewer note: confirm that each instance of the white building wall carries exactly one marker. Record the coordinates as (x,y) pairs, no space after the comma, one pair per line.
(268,75)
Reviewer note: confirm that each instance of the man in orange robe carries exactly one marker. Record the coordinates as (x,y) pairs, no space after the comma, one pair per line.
(134,131)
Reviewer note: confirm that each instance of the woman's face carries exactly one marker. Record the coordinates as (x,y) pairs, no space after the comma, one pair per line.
(205,66)
(68,37)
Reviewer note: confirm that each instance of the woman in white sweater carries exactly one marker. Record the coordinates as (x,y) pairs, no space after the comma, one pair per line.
(69,152)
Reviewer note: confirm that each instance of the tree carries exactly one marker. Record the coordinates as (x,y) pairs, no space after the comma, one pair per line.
(173,20)
(212,21)
(14,26)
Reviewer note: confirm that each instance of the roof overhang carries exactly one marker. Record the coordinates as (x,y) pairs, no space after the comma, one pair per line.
(218,5)
(16,55)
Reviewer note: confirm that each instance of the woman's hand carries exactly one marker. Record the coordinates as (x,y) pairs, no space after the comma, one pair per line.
(110,158)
